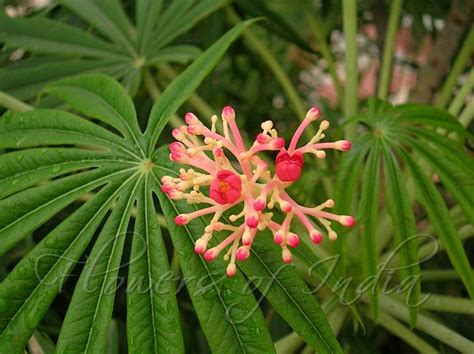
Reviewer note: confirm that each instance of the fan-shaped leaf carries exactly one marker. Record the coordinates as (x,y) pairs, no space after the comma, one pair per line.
(25,211)
(27,292)
(401,212)
(452,176)
(26,80)
(53,127)
(153,323)
(100,98)
(146,18)
(85,326)
(23,169)
(41,35)
(438,213)
(368,216)
(107,17)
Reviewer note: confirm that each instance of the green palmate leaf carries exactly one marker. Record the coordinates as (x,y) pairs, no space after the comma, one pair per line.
(25,211)
(229,315)
(53,159)
(348,176)
(368,217)
(146,18)
(438,213)
(448,149)
(52,127)
(452,176)
(412,113)
(124,53)
(41,35)
(23,169)
(26,80)
(316,265)
(28,291)
(289,295)
(101,99)
(182,21)
(153,322)
(182,87)
(406,242)
(279,283)
(87,320)
(107,19)
(175,54)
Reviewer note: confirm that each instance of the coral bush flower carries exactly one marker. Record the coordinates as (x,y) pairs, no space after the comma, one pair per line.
(241,177)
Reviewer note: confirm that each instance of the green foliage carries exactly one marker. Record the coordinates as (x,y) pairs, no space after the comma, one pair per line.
(396,131)
(118,46)
(85,184)
(56,157)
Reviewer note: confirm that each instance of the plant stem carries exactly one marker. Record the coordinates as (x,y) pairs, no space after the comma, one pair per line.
(349,12)
(279,73)
(323,48)
(428,248)
(427,325)
(11,103)
(289,343)
(398,329)
(445,303)
(388,48)
(456,69)
(465,118)
(155,93)
(460,98)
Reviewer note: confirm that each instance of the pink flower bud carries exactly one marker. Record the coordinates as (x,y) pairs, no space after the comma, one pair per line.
(177,134)
(263,138)
(313,113)
(190,118)
(347,221)
(181,219)
(343,145)
(259,204)
(194,129)
(231,270)
(288,168)
(293,240)
(252,221)
(278,143)
(228,113)
(177,147)
(242,253)
(286,255)
(226,188)
(200,246)
(316,237)
(210,255)
(166,188)
(278,238)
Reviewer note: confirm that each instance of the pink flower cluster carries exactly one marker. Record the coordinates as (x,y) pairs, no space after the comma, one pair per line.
(231,174)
